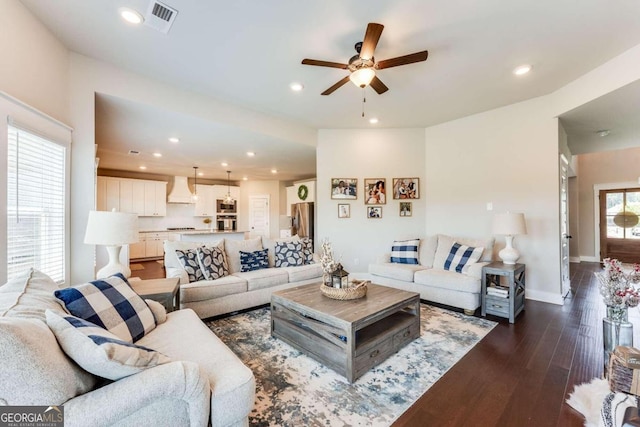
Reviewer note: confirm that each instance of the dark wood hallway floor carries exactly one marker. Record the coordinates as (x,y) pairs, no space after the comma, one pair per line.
(521,374)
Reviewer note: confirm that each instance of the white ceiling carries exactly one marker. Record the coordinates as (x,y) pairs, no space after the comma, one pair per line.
(248,52)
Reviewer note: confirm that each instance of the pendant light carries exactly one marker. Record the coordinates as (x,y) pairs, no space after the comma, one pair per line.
(195,184)
(228,199)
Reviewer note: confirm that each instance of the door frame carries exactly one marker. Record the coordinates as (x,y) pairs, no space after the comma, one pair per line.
(260,196)
(596,210)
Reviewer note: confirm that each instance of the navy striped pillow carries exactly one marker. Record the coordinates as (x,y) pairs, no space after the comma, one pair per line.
(461,256)
(405,251)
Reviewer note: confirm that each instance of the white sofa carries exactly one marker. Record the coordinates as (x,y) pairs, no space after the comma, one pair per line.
(430,279)
(205,382)
(239,290)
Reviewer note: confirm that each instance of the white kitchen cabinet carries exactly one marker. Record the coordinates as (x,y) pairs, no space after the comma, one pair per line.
(206,203)
(220,191)
(155,198)
(138,250)
(151,244)
(108,194)
(142,197)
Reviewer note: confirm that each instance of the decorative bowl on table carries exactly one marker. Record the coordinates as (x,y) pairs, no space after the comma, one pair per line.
(357,289)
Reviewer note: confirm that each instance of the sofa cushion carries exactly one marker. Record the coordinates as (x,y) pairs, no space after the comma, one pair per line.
(111,304)
(34,369)
(189,261)
(212,263)
(405,251)
(448,280)
(99,351)
(461,257)
(395,271)
(264,278)
(257,260)
(445,243)
(304,272)
(289,254)
(158,310)
(232,250)
(28,295)
(209,289)
(427,251)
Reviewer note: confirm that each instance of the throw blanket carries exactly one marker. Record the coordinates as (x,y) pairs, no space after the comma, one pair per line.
(598,405)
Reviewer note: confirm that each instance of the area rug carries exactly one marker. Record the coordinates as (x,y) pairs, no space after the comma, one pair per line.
(598,405)
(295,390)
(136,267)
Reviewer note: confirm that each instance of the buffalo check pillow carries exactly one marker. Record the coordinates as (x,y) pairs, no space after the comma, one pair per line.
(111,304)
(99,351)
(405,251)
(461,257)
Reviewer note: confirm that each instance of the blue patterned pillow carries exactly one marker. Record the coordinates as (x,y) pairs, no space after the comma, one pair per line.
(405,251)
(189,260)
(212,263)
(257,260)
(111,304)
(461,257)
(307,250)
(288,254)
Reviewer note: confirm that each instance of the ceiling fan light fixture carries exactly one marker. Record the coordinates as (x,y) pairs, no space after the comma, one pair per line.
(362,76)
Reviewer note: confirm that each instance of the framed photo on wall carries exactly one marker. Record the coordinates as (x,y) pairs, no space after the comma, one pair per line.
(374,212)
(405,208)
(406,188)
(344,210)
(375,191)
(344,188)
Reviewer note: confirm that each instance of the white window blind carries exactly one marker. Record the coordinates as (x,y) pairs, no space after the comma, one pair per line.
(35,204)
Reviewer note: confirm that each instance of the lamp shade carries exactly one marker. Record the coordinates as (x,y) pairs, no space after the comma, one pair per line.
(111,228)
(362,76)
(509,224)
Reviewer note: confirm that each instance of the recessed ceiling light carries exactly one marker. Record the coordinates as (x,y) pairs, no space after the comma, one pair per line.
(274,170)
(200,173)
(143,167)
(157,154)
(224,164)
(373,120)
(250,153)
(174,140)
(603,132)
(521,70)
(131,16)
(296,87)
(244,178)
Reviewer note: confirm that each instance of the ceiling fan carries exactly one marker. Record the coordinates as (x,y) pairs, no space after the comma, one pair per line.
(363,65)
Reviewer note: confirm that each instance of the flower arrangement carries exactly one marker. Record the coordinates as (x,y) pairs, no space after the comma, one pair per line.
(326,258)
(618,289)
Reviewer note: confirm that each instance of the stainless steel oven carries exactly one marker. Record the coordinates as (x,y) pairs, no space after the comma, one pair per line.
(226,208)
(227,223)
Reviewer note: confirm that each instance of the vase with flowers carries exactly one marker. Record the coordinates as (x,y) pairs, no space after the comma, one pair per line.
(327,262)
(619,290)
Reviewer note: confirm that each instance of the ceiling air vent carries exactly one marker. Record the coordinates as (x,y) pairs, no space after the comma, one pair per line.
(134,153)
(160,16)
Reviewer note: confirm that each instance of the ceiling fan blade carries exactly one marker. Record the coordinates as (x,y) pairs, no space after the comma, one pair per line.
(370,41)
(403,60)
(378,86)
(324,63)
(335,86)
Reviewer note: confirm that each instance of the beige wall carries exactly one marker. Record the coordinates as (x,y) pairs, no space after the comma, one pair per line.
(609,167)
(574,219)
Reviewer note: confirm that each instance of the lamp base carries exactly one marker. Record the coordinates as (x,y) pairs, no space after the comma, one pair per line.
(509,255)
(114,266)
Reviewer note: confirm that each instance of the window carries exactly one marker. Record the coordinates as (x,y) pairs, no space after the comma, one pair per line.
(36,204)
(622,209)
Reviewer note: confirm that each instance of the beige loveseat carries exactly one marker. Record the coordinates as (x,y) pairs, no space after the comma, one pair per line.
(239,290)
(203,383)
(430,279)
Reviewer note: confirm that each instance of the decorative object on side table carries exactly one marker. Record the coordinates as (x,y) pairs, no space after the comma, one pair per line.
(112,229)
(619,292)
(509,224)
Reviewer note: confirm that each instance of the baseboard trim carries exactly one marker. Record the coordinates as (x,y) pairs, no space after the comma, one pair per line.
(542,296)
(575,259)
(589,258)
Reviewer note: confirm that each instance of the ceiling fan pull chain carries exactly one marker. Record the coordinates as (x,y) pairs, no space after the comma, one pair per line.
(364,99)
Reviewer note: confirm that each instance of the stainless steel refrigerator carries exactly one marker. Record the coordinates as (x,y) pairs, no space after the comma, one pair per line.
(302,220)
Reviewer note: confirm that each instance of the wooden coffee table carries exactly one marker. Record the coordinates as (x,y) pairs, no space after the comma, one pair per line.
(349,337)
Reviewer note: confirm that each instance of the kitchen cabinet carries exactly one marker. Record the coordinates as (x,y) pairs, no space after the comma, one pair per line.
(206,203)
(155,198)
(108,194)
(137,250)
(142,197)
(151,244)
(132,196)
(220,191)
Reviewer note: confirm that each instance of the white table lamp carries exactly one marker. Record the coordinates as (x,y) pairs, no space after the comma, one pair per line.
(112,229)
(509,224)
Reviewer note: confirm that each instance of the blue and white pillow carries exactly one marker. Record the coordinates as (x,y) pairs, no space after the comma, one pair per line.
(111,304)
(461,257)
(99,351)
(307,250)
(189,260)
(212,263)
(250,261)
(288,254)
(405,251)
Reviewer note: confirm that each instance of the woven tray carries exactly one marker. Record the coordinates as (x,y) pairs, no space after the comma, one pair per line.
(358,289)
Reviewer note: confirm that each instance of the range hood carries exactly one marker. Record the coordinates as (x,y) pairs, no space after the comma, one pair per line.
(180,192)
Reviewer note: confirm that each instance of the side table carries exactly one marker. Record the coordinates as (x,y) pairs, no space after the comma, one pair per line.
(512,304)
(165,291)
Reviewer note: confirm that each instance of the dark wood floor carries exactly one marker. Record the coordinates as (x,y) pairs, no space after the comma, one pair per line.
(520,374)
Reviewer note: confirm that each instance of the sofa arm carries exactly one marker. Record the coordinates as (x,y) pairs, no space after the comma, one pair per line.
(178,272)
(119,401)
(475,269)
(383,258)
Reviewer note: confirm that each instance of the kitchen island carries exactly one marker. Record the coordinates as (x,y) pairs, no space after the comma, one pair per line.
(206,236)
